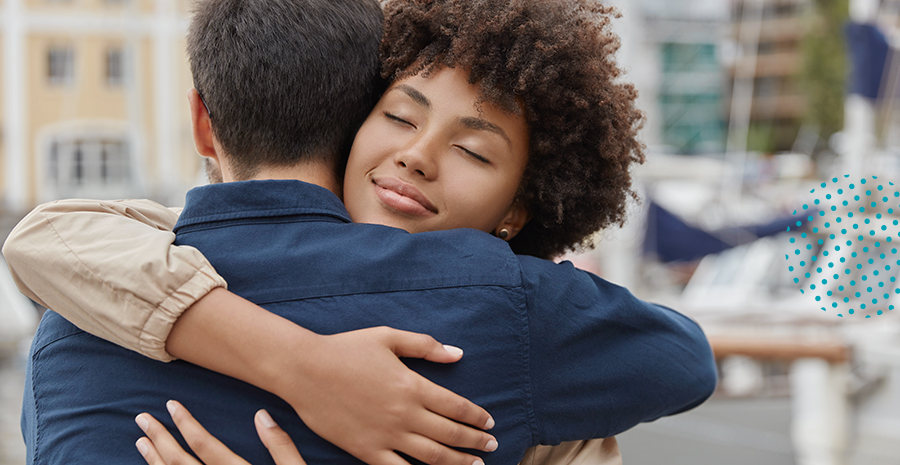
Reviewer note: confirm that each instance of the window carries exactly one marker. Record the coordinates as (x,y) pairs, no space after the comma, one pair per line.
(61,65)
(683,57)
(115,67)
(692,122)
(85,166)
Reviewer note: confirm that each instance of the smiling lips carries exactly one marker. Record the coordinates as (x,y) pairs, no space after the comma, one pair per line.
(403,197)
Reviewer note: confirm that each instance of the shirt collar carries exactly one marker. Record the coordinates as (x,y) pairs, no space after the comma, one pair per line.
(259,199)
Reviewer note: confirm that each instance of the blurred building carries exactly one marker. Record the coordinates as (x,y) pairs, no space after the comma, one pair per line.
(93,99)
(686,39)
(767,36)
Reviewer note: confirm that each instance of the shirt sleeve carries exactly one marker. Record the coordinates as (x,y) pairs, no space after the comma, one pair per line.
(589,452)
(110,267)
(607,360)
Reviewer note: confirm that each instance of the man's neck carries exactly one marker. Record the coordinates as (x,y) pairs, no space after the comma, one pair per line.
(320,174)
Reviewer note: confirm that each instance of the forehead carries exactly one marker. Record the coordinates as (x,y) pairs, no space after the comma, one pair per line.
(447,91)
(496,97)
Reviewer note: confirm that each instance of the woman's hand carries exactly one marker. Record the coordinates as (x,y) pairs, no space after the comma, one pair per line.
(351,388)
(160,448)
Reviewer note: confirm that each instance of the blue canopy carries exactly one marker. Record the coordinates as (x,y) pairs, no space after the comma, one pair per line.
(671,239)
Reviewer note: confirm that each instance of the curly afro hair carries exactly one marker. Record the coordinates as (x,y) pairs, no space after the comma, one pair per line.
(554,60)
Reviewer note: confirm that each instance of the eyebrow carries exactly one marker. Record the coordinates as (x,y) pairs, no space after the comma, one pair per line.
(468,121)
(484,125)
(414,94)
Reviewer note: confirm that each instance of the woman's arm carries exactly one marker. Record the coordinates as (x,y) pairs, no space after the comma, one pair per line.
(111,269)
(350,388)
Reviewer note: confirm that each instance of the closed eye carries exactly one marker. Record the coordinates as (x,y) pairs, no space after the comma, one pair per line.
(396,118)
(474,155)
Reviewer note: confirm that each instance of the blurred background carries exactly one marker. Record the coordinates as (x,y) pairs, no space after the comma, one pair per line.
(750,105)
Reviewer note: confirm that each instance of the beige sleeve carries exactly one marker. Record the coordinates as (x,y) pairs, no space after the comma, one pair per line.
(592,452)
(110,267)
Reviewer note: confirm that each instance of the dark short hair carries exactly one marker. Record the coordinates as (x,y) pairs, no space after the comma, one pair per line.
(285,81)
(555,58)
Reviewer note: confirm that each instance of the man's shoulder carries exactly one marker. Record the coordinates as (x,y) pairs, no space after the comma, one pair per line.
(311,259)
(53,328)
(538,272)
(451,258)
(556,288)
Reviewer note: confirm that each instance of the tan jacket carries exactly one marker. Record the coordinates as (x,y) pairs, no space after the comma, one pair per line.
(105,271)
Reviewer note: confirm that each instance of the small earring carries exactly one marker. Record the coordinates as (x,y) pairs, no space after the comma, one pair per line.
(503,234)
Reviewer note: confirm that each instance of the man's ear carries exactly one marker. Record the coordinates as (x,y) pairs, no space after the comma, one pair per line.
(201,127)
(513,222)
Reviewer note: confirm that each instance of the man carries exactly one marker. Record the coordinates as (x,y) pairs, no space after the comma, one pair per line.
(242,229)
(328,52)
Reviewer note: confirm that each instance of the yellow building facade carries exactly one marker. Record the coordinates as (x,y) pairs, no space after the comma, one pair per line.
(94,101)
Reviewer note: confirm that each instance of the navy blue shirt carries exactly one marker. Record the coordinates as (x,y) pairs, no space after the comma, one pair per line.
(553,353)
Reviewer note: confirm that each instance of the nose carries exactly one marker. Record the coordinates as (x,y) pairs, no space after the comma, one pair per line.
(419,157)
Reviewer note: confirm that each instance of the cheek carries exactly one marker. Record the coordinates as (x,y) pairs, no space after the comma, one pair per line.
(481,201)
(351,180)
(363,149)
(354,189)
(365,154)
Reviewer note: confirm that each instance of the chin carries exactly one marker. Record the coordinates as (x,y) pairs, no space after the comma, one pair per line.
(386,221)
(402,225)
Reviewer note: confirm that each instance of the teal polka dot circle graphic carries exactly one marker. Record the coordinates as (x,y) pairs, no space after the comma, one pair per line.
(843,252)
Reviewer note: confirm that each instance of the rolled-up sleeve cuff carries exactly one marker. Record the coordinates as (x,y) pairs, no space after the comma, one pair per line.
(158,326)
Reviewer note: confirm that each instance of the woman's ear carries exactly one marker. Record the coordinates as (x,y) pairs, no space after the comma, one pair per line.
(513,222)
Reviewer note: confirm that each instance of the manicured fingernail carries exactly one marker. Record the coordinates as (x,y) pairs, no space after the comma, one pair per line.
(172,407)
(478,462)
(453,350)
(489,424)
(266,419)
(142,422)
(491,446)
(141,447)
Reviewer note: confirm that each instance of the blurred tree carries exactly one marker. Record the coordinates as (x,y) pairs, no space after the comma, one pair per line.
(824,71)
(759,137)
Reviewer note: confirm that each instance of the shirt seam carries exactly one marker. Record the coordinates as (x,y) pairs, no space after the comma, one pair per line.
(526,360)
(252,214)
(37,353)
(38,431)
(231,222)
(386,291)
